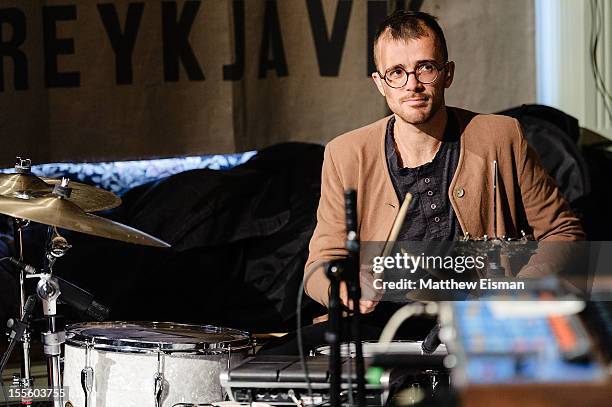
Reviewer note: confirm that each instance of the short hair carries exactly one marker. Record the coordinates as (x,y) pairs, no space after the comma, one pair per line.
(403,25)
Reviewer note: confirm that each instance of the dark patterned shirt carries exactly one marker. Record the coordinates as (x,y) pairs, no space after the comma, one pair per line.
(430,215)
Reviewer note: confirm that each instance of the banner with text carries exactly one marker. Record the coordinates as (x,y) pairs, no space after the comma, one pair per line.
(85,80)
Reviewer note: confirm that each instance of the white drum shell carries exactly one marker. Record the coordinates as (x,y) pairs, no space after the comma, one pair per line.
(127,379)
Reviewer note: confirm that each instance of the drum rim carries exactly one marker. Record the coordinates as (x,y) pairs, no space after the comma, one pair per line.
(320,350)
(75,337)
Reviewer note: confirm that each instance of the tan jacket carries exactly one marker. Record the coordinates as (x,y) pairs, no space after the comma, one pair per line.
(527,197)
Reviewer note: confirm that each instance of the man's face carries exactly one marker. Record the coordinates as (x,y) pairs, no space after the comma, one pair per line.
(415,102)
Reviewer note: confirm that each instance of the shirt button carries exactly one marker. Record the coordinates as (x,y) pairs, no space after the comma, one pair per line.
(436,219)
(459,192)
(426,180)
(430,193)
(433,206)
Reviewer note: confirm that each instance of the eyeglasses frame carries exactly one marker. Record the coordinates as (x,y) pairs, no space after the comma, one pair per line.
(435,64)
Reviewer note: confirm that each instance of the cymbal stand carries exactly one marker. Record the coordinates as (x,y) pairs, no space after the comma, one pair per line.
(48,290)
(25,381)
(56,245)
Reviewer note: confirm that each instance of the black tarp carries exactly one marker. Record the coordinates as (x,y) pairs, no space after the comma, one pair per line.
(240,240)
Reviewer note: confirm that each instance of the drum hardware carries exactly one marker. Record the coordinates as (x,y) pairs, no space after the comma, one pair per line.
(25,381)
(48,291)
(158,380)
(132,361)
(87,375)
(79,299)
(57,246)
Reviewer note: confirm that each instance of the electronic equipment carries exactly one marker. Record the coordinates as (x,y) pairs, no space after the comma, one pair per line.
(518,342)
(280,381)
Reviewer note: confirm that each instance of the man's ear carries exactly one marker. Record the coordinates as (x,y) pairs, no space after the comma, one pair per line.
(379,82)
(449,74)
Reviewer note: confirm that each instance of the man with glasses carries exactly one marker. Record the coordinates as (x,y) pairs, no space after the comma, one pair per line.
(445,157)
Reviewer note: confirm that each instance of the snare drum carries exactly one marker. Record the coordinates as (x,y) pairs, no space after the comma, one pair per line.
(148,363)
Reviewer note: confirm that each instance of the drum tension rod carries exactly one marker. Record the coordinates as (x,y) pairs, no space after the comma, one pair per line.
(158,380)
(87,374)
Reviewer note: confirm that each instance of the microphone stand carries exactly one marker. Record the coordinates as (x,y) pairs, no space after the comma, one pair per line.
(354,289)
(334,332)
(18,329)
(337,271)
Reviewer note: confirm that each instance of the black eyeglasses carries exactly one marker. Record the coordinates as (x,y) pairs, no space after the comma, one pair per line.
(425,73)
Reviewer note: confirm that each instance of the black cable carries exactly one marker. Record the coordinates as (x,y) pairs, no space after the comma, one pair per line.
(6,400)
(300,296)
(2,365)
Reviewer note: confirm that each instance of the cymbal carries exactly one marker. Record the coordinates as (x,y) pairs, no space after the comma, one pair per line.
(88,198)
(27,186)
(22,185)
(55,211)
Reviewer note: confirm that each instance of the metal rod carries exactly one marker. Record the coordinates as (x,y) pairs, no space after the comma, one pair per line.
(25,380)
(55,380)
(52,346)
(333,334)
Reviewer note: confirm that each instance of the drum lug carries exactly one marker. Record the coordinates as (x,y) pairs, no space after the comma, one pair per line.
(159,388)
(87,377)
(158,381)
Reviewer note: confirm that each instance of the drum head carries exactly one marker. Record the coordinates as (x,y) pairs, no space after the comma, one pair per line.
(151,337)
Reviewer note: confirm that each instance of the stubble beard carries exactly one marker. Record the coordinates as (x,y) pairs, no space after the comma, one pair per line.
(417,116)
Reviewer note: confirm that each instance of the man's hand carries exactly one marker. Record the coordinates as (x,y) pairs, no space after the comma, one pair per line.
(365,306)
(367,291)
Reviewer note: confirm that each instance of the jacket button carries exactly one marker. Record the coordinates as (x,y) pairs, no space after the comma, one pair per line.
(459,192)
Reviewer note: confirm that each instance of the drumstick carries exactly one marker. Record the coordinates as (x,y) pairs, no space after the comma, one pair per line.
(397,225)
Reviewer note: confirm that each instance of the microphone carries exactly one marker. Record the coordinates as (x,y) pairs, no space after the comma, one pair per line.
(71,294)
(18,328)
(432,340)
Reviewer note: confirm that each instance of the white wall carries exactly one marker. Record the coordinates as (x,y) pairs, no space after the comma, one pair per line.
(565,77)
